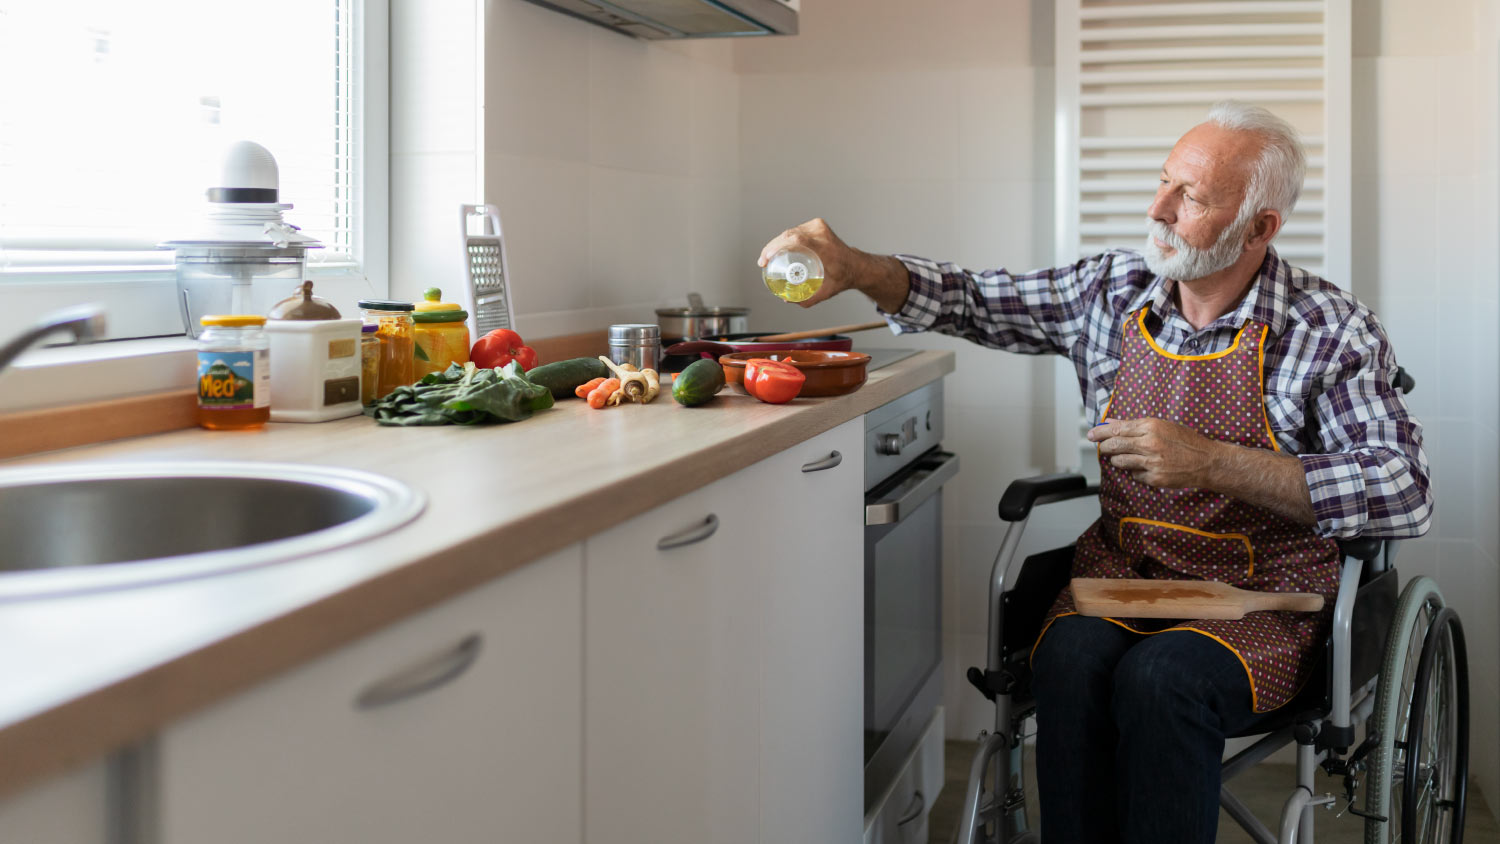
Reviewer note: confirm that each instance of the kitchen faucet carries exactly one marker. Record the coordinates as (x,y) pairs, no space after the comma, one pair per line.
(84,322)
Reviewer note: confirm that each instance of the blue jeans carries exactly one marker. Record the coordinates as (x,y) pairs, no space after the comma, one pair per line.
(1130,732)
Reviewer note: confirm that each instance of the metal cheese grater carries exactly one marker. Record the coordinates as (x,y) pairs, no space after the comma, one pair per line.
(489,302)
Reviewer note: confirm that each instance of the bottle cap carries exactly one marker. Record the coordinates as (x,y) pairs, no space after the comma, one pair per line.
(233,320)
(383,305)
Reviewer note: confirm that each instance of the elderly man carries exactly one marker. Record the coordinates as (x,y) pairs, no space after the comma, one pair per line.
(1246,420)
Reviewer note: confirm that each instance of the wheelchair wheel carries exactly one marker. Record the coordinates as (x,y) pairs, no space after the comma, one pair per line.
(1420,762)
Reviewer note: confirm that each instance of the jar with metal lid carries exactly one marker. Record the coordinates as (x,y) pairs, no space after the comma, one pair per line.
(234,372)
(441,334)
(369,363)
(397,345)
(635,343)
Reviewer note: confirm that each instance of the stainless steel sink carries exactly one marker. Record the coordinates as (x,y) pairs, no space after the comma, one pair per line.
(89,527)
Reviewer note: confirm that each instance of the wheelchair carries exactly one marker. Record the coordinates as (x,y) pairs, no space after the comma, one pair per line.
(1392,674)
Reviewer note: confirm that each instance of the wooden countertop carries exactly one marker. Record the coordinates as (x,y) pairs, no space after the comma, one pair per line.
(88,674)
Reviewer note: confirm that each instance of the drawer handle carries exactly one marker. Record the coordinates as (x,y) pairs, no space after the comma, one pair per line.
(691,535)
(828,462)
(424,677)
(913,811)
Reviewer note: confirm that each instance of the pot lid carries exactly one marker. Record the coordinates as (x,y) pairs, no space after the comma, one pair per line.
(696,308)
(303,305)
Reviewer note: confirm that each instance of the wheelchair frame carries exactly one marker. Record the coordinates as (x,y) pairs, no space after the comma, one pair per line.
(1324,736)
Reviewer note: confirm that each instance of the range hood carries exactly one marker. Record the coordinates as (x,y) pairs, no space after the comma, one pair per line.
(663,19)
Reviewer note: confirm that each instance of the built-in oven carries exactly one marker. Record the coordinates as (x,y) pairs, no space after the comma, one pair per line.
(905,469)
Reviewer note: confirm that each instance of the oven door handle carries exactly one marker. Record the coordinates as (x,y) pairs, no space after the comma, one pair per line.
(935,471)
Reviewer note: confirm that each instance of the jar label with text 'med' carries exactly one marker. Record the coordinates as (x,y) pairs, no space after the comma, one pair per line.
(234,380)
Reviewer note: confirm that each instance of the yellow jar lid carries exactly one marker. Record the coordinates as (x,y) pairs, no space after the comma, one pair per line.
(431,301)
(233,320)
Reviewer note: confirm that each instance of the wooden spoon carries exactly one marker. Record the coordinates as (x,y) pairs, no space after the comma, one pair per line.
(1136,598)
(820,332)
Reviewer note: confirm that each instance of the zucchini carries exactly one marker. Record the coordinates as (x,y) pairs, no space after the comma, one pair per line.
(563,377)
(699,382)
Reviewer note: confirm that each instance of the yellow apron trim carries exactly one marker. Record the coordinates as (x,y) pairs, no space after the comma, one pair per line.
(1141,320)
(1249,675)
(1240,536)
(1261,385)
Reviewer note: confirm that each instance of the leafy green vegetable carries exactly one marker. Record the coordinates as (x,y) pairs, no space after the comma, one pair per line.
(463,395)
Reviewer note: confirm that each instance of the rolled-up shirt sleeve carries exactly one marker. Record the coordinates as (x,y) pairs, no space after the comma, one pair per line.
(1372,477)
(1032,313)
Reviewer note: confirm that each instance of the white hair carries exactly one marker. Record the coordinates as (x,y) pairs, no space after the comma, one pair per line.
(1276,178)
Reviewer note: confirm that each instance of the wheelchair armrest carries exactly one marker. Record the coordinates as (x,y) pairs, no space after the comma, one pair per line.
(1025,493)
(1403,381)
(1360,548)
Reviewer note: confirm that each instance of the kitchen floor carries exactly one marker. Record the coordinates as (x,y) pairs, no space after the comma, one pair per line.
(1263,788)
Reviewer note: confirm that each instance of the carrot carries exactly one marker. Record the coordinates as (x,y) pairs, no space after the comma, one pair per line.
(600,394)
(582,390)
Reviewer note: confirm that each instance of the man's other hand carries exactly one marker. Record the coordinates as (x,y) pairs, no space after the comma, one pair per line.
(1157,452)
(880,277)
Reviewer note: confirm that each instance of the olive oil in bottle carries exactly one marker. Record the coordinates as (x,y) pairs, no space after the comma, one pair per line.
(793,275)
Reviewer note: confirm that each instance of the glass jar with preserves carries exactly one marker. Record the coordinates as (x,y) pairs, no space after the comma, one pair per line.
(394,328)
(441,334)
(234,372)
(369,363)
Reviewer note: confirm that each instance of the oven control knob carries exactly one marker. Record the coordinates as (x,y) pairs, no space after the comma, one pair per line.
(888,444)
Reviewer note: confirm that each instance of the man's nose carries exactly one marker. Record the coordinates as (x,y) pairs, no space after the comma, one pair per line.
(1161,208)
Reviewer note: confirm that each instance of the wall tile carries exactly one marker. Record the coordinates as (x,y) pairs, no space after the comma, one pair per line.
(857,34)
(636,221)
(1422,29)
(1411,323)
(536,82)
(843,126)
(717,264)
(1003,225)
(640,105)
(544,207)
(997,124)
(1456,152)
(1459,348)
(715,118)
(1457,245)
(1450,450)
(1403,130)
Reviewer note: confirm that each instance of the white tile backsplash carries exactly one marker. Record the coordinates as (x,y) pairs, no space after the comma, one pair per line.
(997,126)
(544,207)
(637,224)
(640,105)
(536,82)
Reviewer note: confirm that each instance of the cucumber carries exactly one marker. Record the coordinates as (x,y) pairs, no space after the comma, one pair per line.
(701,381)
(564,376)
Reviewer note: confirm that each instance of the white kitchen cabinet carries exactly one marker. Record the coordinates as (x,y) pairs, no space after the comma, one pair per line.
(459,724)
(71,808)
(723,654)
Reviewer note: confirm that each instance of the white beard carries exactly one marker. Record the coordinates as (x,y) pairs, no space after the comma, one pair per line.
(1190,263)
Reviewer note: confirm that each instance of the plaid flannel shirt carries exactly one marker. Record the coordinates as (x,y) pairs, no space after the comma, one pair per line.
(1328,365)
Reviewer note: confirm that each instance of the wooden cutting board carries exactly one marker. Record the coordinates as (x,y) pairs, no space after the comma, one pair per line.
(1131,598)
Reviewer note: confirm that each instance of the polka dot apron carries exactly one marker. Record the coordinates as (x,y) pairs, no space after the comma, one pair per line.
(1195,534)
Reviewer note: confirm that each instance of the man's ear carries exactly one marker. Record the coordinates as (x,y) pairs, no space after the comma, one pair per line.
(1265,227)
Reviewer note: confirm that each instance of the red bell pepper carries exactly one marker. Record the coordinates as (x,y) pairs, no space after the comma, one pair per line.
(500,347)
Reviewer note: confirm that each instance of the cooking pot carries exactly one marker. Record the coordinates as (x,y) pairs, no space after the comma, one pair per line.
(679,355)
(697,320)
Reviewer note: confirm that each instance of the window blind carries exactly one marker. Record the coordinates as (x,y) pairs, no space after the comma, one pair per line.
(114,115)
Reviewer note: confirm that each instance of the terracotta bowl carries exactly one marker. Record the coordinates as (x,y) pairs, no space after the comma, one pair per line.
(828,373)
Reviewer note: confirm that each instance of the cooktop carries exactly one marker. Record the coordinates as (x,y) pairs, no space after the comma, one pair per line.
(885,357)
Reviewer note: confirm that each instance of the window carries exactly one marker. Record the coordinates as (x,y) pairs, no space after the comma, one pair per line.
(113,117)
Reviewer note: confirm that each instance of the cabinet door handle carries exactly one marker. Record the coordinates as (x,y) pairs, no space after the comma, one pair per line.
(691,535)
(828,462)
(914,810)
(423,677)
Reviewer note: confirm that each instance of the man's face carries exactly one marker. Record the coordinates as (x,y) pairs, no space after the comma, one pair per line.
(1193,231)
